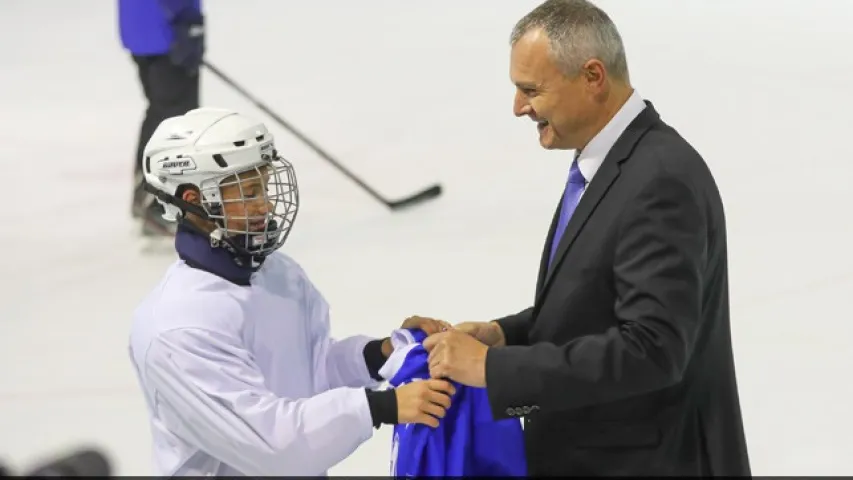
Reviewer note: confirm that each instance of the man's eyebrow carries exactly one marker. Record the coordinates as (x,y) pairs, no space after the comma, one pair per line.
(526,85)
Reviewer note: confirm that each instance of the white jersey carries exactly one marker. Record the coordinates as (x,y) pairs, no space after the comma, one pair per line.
(245,380)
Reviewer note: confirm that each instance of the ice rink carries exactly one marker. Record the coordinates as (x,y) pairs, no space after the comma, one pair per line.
(409,93)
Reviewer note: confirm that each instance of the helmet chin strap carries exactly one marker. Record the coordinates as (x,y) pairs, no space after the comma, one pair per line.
(219,239)
(234,244)
(240,245)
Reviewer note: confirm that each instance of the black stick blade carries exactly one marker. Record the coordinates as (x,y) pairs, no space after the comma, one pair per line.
(420,197)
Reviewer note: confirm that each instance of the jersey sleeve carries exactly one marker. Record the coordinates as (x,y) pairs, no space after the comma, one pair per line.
(337,363)
(408,362)
(209,392)
(410,442)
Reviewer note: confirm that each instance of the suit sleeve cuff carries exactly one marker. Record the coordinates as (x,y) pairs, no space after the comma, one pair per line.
(511,390)
(514,328)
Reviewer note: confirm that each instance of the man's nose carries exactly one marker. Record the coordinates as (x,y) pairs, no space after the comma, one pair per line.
(520,106)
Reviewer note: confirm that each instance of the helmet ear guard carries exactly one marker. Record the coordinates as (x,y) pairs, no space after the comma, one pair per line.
(177,201)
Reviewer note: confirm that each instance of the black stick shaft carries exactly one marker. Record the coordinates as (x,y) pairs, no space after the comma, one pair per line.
(419,197)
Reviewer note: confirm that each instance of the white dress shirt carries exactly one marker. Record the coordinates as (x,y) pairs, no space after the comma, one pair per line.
(592,156)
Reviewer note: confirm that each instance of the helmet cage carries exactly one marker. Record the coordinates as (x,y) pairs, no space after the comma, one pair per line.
(252,217)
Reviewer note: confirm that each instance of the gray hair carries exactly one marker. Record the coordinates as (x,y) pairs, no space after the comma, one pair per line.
(577,31)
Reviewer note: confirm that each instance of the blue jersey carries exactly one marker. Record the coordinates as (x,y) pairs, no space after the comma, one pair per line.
(467,442)
(145,26)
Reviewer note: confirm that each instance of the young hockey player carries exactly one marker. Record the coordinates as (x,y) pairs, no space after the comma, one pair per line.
(232,349)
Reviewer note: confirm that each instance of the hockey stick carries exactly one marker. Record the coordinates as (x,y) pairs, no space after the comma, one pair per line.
(422,196)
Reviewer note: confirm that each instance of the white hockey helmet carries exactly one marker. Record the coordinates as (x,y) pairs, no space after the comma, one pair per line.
(207,149)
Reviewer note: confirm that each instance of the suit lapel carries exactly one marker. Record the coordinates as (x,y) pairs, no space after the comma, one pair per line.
(543,262)
(599,185)
(597,188)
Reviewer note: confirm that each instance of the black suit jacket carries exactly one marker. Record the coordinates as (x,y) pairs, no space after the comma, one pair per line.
(623,365)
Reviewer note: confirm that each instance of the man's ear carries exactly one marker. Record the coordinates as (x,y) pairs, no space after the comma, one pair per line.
(594,74)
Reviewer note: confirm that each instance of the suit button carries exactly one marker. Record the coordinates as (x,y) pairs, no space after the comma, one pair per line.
(510,411)
(527,410)
(519,411)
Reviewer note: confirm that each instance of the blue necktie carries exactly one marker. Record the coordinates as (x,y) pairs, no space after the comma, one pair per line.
(574,189)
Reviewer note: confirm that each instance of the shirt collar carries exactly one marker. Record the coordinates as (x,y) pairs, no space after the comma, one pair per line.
(592,156)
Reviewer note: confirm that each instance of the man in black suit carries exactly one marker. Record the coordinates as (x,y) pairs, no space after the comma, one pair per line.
(624,364)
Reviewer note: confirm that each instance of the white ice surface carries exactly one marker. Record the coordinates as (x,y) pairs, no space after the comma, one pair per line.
(408,93)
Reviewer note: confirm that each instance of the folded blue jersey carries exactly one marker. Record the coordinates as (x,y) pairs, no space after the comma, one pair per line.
(467,442)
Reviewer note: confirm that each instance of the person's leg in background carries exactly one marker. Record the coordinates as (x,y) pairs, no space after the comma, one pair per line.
(166,40)
(145,131)
(170,90)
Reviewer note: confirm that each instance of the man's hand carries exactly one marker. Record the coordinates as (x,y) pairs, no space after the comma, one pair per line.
(430,326)
(490,333)
(457,356)
(423,401)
